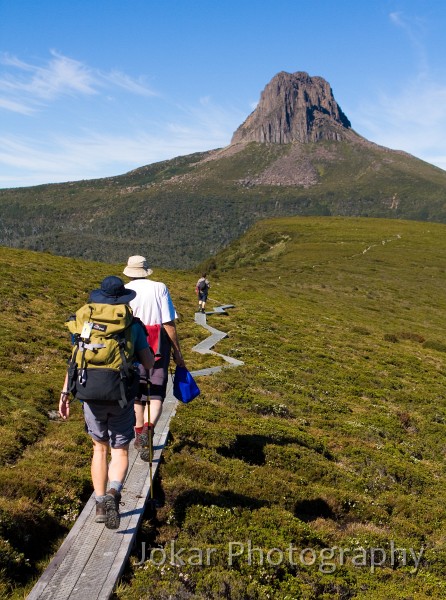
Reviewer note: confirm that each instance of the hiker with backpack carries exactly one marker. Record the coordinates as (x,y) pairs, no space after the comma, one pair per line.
(154,306)
(201,290)
(107,342)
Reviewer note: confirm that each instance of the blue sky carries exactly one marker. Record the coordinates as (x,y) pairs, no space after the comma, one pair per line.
(95,88)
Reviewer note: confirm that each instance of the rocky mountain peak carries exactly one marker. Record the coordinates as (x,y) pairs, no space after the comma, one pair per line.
(294,107)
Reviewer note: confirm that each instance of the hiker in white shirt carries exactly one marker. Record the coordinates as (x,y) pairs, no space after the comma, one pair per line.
(154,306)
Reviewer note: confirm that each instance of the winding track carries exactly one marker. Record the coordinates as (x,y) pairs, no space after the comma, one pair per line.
(205,346)
(92,558)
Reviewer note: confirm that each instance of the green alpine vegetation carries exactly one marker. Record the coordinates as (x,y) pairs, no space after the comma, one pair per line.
(193,206)
(314,471)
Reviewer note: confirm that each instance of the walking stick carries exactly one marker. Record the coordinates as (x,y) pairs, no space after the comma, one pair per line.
(152,501)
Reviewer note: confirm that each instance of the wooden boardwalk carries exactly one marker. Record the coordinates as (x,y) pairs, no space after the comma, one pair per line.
(92,558)
(205,347)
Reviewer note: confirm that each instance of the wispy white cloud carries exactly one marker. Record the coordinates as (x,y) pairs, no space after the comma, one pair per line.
(92,154)
(32,86)
(215,122)
(123,81)
(80,151)
(412,118)
(60,76)
(415,30)
(17,107)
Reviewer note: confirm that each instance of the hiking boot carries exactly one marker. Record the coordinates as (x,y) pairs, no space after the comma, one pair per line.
(147,449)
(141,439)
(111,502)
(100,512)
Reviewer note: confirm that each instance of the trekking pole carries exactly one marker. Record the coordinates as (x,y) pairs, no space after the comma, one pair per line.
(152,501)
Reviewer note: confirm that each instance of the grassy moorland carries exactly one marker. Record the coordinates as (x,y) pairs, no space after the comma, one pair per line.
(319,464)
(331,438)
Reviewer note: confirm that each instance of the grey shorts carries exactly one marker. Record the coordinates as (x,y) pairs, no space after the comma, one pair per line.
(110,423)
(158,378)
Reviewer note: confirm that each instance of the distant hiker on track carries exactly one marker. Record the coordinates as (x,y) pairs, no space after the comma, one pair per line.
(154,306)
(201,290)
(107,341)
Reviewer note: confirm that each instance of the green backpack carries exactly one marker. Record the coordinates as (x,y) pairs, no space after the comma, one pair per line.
(101,366)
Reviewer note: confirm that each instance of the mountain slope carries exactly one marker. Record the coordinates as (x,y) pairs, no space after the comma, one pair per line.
(181,211)
(295,155)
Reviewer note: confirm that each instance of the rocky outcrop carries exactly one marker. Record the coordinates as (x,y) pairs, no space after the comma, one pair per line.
(294,107)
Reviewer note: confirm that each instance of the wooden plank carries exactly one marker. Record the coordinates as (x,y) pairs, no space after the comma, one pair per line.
(48,574)
(204,347)
(206,371)
(159,441)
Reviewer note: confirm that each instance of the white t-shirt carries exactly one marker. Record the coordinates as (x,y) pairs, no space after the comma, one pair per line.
(153,304)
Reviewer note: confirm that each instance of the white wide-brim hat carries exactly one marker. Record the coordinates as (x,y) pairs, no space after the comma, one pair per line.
(137,267)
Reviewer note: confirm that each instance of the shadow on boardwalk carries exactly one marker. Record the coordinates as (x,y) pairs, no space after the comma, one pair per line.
(92,558)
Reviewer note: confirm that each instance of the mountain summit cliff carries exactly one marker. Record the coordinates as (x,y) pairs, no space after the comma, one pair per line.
(294,107)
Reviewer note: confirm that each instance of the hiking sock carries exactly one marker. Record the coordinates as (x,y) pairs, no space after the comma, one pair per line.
(99,498)
(115,485)
(140,436)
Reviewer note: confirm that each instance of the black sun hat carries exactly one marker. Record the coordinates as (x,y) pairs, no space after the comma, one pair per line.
(112,291)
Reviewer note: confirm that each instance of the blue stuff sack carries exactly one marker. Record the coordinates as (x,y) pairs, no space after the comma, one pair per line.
(184,386)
